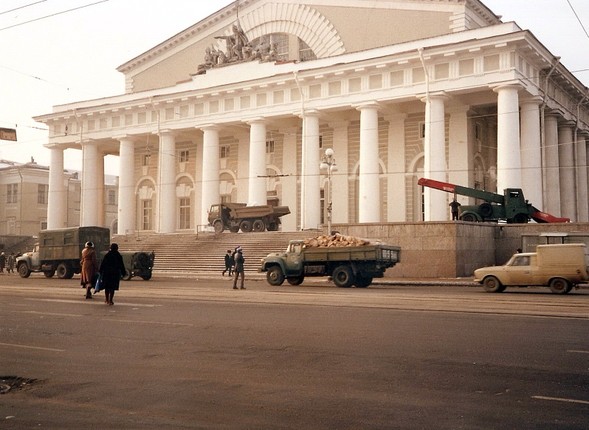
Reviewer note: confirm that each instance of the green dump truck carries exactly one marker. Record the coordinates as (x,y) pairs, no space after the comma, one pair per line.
(239,216)
(58,253)
(347,266)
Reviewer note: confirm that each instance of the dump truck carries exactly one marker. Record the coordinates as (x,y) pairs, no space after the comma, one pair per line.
(58,252)
(559,267)
(240,216)
(347,265)
(511,206)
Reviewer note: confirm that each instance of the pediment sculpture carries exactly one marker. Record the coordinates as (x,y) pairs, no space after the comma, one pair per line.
(238,48)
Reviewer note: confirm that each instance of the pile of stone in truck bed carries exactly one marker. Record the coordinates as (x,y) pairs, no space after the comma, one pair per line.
(336,240)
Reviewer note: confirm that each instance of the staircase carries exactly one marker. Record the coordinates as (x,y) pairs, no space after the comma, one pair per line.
(192,255)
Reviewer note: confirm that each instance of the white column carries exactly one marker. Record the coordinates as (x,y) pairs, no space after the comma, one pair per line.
(210,193)
(551,175)
(435,157)
(167,183)
(508,138)
(566,158)
(257,194)
(460,151)
(310,181)
(127,202)
(289,182)
(396,194)
(57,195)
(531,152)
(339,178)
(582,186)
(91,188)
(101,191)
(369,175)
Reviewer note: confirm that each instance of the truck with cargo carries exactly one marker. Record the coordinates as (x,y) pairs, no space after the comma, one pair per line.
(239,216)
(58,253)
(511,206)
(346,265)
(559,267)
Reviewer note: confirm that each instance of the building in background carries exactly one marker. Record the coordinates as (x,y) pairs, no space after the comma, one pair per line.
(241,106)
(24,196)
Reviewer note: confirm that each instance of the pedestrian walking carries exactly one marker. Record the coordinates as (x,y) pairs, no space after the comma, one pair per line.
(112,269)
(10,263)
(239,269)
(89,268)
(2,262)
(229,262)
(454,205)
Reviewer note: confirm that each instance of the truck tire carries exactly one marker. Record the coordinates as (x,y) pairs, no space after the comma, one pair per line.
(468,217)
(343,276)
(274,276)
(520,218)
(486,210)
(234,229)
(492,285)
(258,226)
(218,226)
(128,275)
(23,270)
(363,281)
(246,226)
(559,286)
(64,271)
(49,274)
(295,281)
(272,226)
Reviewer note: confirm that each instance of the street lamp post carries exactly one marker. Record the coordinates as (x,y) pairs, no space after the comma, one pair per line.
(328,164)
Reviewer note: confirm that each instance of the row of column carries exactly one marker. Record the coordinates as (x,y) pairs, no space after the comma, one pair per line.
(553,176)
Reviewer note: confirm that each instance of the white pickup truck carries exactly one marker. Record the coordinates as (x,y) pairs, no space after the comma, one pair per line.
(560,267)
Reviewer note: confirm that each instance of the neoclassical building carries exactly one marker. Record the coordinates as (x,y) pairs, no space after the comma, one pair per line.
(241,107)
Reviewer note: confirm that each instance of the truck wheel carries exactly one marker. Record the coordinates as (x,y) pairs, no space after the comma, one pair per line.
(146,277)
(246,226)
(234,229)
(259,226)
(559,286)
(218,226)
(63,271)
(363,281)
(520,219)
(23,270)
(127,276)
(486,210)
(49,274)
(274,276)
(295,281)
(343,276)
(492,285)
(469,218)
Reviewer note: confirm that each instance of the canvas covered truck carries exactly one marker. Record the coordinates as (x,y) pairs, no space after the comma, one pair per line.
(559,267)
(511,206)
(58,252)
(239,216)
(356,264)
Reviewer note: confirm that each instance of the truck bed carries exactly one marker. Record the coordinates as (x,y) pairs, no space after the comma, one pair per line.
(381,253)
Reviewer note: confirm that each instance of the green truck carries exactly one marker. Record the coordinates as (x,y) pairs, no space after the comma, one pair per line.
(511,206)
(347,266)
(58,253)
(239,216)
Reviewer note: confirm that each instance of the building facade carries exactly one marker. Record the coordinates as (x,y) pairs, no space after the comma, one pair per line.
(242,105)
(24,198)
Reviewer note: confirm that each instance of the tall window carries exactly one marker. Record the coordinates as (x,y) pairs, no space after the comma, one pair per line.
(42,194)
(184,213)
(146,213)
(145,159)
(269,147)
(184,156)
(112,197)
(224,151)
(11,193)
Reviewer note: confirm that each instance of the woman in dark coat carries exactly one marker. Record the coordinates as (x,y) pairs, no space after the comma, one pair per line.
(112,269)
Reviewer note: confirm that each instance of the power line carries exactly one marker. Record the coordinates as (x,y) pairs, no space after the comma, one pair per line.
(22,7)
(578,19)
(52,15)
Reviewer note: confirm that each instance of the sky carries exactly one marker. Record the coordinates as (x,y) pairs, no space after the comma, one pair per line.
(61,51)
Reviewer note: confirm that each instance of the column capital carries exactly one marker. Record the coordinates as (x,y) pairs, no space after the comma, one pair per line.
(438,95)
(567,124)
(165,132)
(130,137)
(511,85)
(309,113)
(535,100)
(368,105)
(208,127)
(256,120)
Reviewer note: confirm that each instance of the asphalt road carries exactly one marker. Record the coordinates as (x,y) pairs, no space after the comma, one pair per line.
(195,354)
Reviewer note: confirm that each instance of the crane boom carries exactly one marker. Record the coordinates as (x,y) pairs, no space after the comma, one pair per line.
(463,191)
